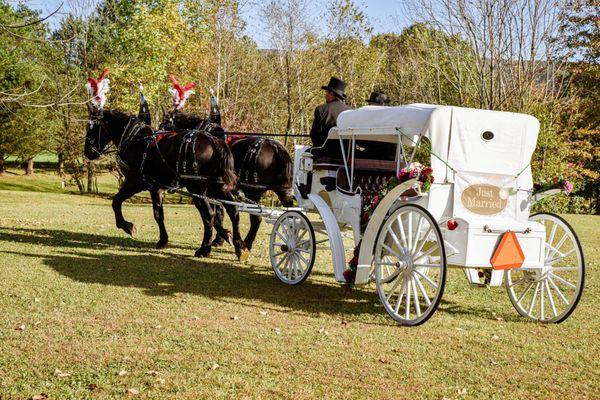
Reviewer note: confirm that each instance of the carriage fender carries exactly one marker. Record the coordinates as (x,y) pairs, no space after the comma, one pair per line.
(367,246)
(334,234)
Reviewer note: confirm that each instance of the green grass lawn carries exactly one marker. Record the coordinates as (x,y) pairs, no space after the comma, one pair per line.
(87,312)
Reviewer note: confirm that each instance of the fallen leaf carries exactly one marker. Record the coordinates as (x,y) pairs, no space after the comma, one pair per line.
(92,386)
(153,373)
(21,327)
(59,374)
(160,381)
(41,396)
(495,337)
(383,360)
(157,326)
(196,318)
(133,392)
(462,392)
(499,319)
(234,317)
(36,300)
(493,362)
(344,322)
(214,366)
(122,373)
(277,331)
(460,329)
(263,313)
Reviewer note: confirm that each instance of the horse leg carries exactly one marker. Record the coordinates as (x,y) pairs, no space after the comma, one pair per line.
(286,197)
(159,216)
(223,235)
(127,190)
(206,213)
(240,248)
(255,220)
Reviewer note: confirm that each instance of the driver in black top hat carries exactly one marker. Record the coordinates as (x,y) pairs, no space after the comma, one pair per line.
(326,118)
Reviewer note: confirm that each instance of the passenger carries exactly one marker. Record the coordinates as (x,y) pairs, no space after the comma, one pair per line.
(378,99)
(377,150)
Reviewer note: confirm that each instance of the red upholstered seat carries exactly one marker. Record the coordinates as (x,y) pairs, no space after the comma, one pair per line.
(359,163)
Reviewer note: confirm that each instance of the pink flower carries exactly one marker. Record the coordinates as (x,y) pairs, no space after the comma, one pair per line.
(376,200)
(568,187)
(414,172)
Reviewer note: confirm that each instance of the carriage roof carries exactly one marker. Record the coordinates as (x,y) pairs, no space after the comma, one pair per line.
(455,133)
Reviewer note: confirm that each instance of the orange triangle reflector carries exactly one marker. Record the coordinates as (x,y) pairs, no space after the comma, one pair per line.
(508,253)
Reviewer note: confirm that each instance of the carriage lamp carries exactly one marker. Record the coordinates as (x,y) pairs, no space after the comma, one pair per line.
(452,224)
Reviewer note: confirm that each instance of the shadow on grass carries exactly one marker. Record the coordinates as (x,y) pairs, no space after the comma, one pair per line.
(165,274)
(62,238)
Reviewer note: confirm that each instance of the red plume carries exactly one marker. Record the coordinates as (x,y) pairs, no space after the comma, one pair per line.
(181,89)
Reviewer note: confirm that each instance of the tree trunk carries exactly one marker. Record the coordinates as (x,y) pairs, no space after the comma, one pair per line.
(90,177)
(61,164)
(1,163)
(29,166)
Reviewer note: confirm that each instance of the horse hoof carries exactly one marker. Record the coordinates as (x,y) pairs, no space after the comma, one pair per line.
(128,228)
(161,244)
(244,255)
(203,251)
(218,242)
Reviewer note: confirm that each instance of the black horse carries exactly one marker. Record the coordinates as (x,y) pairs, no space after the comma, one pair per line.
(261,164)
(155,161)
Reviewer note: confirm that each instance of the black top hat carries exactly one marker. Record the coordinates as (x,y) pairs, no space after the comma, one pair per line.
(337,87)
(378,98)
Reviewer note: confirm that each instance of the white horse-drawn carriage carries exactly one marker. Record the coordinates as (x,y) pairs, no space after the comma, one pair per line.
(475,215)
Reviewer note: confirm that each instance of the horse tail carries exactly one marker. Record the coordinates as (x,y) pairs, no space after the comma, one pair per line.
(226,166)
(285,163)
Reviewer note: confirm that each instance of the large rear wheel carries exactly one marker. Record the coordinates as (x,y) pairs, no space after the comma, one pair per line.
(410,265)
(550,294)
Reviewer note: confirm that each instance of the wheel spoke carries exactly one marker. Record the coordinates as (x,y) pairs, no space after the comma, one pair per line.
(407,312)
(572,286)
(427,265)
(389,249)
(518,281)
(423,241)
(428,252)
(564,269)
(537,286)
(551,238)
(560,294)
(551,300)
(556,249)
(394,237)
(414,290)
(522,296)
(393,289)
(400,296)
(426,279)
(542,300)
(417,235)
(409,232)
(422,290)
(401,228)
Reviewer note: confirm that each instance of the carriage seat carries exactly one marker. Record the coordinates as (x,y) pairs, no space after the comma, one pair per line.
(334,164)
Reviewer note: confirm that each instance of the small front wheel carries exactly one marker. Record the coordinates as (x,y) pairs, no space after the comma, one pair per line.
(410,265)
(292,247)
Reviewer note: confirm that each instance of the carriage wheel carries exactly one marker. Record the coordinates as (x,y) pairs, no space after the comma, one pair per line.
(558,285)
(292,247)
(410,265)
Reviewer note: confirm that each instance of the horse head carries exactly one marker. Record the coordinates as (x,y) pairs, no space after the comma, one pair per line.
(98,132)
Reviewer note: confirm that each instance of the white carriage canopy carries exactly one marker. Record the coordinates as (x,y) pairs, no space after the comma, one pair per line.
(464,139)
